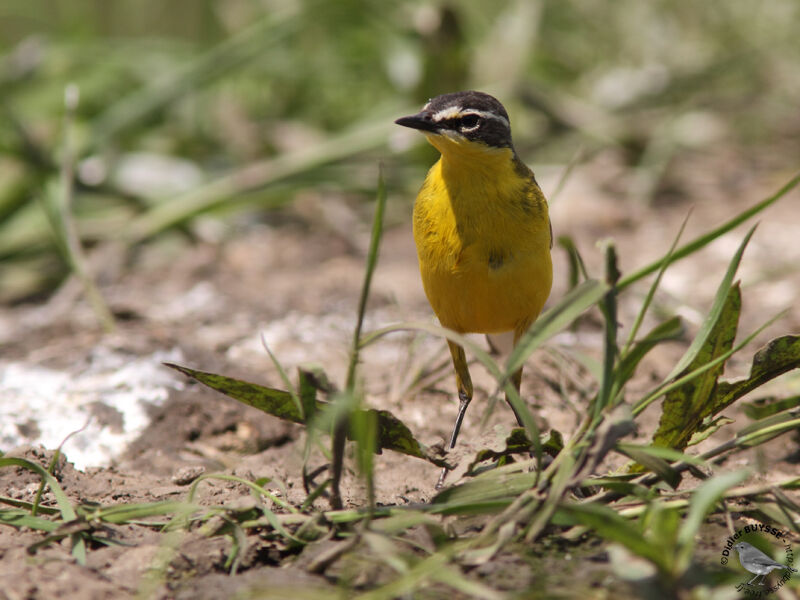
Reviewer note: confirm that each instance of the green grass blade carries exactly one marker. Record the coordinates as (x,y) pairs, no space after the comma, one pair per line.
(372,261)
(268,514)
(299,402)
(610,349)
(667,386)
(22,518)
(392,433)
(685,408)
(707,238)
(668,454)
(652,291)
(363,425)
(490,489)
(575,302)
(64,505)
(278,403)
(28,506)
(775,358)
(716,308)
(766,429)
(612,527)
(364,429)
(708,427)
(671,329)
(127,513)
(704,499)
(454,578)
(412,579)
(259,490)
(758,409)
(651,462)
(67,511)
(577,268)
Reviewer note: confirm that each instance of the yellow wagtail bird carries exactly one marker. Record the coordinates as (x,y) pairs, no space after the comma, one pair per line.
(481,227)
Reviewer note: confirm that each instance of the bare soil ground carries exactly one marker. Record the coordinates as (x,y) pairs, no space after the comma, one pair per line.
(297,282)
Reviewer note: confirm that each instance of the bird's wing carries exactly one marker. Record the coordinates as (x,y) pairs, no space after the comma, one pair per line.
(765,561)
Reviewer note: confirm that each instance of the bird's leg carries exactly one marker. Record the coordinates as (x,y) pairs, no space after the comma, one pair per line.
(753,579)
(464,383)
(516,378)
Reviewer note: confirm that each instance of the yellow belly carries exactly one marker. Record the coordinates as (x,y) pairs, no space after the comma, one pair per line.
(483,243)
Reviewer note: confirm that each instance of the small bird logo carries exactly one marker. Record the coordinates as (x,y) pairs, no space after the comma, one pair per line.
(755,561)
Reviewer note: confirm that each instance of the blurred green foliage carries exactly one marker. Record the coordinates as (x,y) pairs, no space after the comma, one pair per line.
(251,100)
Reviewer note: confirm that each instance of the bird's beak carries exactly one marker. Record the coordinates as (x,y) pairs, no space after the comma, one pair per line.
(421,121)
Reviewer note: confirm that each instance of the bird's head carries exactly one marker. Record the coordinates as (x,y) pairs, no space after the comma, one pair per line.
(463,122)
(741,546)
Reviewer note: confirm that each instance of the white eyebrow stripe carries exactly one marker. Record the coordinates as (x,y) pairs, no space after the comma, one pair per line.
(488,115)
(456,111)
(446,113)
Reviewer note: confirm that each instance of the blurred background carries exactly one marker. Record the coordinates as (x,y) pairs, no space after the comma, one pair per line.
(134,121)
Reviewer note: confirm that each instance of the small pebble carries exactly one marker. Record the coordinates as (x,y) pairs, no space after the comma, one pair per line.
(186,475)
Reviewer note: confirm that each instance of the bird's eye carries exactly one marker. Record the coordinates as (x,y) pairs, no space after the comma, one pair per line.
(469,121)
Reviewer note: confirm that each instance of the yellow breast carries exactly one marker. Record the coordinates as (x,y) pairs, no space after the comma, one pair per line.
(482,232)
